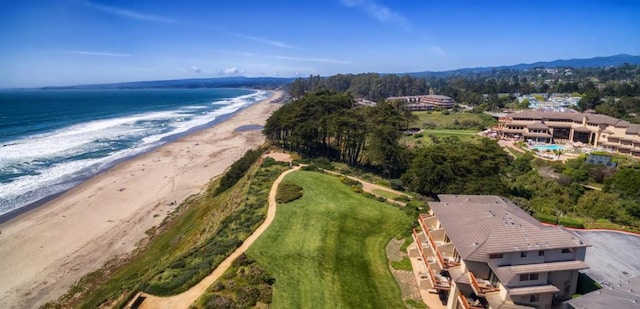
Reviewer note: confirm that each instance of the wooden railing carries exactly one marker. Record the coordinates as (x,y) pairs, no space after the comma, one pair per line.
(465,302)
(478,289)
(443,263)
(436,282)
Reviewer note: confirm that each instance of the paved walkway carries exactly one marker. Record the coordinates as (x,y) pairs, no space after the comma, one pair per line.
(184,300)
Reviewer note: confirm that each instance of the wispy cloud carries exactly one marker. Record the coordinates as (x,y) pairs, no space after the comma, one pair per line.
(97,53)
(282,57)
(379,12)
(437,50)
(264,40)
(324,60)
(130,14)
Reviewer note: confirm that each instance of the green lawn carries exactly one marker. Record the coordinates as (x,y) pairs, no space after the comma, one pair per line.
(452,120)
(327,249)
(386,194)
(426,137)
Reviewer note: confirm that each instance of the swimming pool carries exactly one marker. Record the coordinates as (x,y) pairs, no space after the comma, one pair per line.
(550,147)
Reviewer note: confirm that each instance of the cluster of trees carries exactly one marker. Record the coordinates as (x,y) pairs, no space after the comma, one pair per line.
(327,124)
(372,86)
(611,91)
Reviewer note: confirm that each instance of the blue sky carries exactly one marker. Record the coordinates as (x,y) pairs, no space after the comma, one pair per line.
(63,42)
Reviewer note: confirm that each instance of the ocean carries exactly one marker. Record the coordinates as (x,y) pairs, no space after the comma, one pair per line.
(52,140)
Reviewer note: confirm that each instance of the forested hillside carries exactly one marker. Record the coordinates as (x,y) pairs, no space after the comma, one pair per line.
(612,91)
(328,124)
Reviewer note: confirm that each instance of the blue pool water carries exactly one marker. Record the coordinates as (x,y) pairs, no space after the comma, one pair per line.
(550,147)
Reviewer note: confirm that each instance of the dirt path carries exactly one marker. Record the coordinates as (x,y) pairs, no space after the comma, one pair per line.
(187,298)
(369,187)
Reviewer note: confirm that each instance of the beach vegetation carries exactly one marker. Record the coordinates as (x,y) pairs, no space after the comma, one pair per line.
(238,169)
(327,249)
(184,248)
(243,285)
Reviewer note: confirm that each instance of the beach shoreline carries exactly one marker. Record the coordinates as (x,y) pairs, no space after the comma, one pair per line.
(47,249)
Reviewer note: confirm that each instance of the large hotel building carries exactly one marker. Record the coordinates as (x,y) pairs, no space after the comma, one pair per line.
(610,133)
(485,252)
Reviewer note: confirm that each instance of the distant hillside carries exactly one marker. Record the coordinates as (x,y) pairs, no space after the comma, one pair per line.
(564,63)
(231,82)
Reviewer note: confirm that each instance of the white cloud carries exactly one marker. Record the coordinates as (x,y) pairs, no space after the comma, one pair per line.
(379,12)
(232,71)
(194,69)
(130,14)
(97,53)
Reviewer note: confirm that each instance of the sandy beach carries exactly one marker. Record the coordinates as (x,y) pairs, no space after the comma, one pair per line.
(44,251)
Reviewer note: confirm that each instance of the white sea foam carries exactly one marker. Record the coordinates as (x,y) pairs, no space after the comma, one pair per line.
(148,129)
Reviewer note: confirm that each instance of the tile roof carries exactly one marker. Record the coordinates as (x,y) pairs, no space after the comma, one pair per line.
(479,225)
(507,273)
(537,125)
(591,118)
(528,290)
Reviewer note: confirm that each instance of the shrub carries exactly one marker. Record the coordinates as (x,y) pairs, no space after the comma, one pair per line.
(418,135)
(266,294)
(310,167)
(269,161)
(323,163)
(350,182)
(247,296)
(404,264)
(238,169)
(220,302)
(396,184)
(356,189)
(402,198)
(288,192)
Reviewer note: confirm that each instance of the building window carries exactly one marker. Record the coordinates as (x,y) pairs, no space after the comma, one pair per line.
(534,298)
(495,256)
(567,250)
(541,253)
(529,277)
(523,254)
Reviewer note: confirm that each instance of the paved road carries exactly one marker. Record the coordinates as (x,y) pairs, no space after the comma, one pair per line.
(613,256)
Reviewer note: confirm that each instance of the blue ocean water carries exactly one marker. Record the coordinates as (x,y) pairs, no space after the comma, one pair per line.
(51,140)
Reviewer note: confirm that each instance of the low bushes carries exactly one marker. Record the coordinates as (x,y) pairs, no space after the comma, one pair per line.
(243,285)
(238,169)
(288,192)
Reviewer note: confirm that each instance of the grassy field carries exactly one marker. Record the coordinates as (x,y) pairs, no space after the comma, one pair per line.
(327,249)
(427,137)
(452,120)
(386,194)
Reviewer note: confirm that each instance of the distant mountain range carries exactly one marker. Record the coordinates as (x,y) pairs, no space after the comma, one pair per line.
(220,82)
(594,62)
(274,82)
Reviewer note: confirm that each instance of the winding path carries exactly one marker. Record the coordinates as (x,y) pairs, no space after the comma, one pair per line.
(184,300)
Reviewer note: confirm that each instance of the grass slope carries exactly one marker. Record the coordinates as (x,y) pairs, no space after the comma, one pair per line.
(327,249)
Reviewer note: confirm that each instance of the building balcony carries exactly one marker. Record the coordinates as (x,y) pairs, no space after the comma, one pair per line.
(443,250)
(468,303)
(437,279)
(480,286)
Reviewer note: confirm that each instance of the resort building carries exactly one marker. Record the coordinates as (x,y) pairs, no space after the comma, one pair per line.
(481,251)
(610,133)
(425,102)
